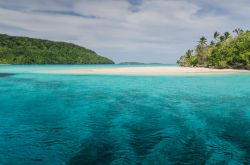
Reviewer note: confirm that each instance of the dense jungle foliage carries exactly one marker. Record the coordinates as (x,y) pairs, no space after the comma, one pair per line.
(24,50)
(225,51)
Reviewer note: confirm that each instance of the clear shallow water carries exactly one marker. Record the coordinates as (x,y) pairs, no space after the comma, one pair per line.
(91,119)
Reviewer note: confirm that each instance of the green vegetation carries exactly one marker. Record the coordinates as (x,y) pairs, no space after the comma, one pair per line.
(137,63)
(225,51)
(24,50)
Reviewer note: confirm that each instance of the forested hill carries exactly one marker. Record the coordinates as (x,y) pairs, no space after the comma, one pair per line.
(227,50)
(24,50)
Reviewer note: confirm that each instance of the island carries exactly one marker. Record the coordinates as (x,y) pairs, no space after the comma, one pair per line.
(139,63)
(131,63)
(225,51)
(25,50)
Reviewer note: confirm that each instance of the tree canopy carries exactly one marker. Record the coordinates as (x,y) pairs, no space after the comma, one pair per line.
(24,50)
(227,51)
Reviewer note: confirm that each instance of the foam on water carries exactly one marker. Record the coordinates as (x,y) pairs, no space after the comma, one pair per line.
(91,119)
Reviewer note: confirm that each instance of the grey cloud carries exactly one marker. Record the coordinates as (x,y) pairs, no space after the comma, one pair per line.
(65,12)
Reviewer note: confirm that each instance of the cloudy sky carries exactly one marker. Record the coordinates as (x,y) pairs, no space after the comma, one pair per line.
(125,30)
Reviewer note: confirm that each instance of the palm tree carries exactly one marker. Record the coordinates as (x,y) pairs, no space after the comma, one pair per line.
(189,53)
(226,35)
(212,43)
(203,41)
(241,31)
(222,38)
(216,35)
(238,31)
(235,31)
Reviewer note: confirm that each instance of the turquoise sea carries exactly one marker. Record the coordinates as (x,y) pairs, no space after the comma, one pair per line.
(49,119)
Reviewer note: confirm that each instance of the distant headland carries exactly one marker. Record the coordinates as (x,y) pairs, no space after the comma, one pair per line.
(225,51)
(25,50)
(138,63)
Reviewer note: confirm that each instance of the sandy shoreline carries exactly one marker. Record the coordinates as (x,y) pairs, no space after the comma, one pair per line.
(152,70)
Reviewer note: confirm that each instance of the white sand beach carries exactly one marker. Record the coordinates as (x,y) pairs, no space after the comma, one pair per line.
(147,70)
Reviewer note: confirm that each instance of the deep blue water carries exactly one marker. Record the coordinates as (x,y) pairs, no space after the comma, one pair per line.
(94,119)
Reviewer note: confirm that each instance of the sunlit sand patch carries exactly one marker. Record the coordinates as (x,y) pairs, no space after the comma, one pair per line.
(160,70)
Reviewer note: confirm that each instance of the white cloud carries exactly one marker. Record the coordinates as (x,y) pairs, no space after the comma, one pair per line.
(158,31)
